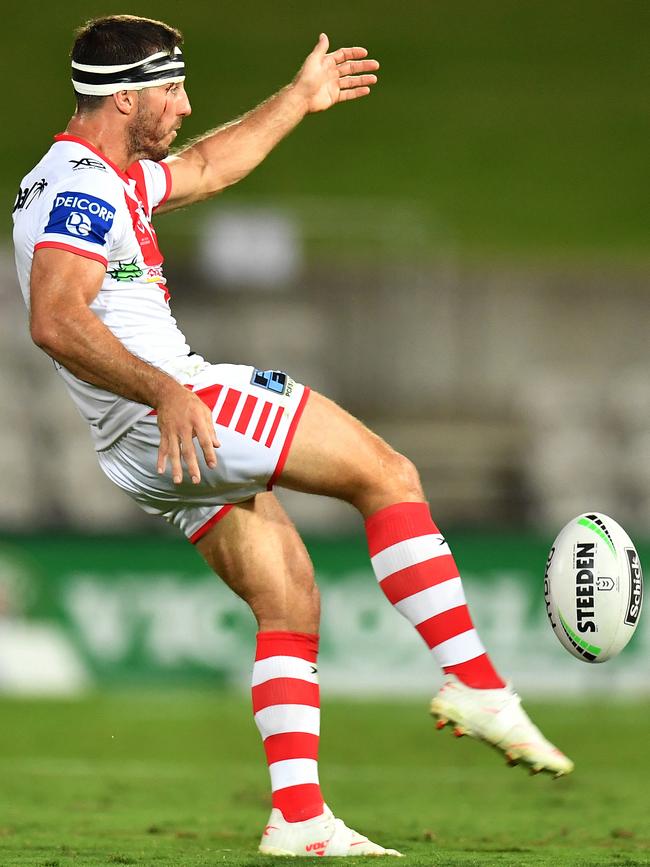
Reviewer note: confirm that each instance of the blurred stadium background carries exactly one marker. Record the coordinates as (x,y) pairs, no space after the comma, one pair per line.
(461,260)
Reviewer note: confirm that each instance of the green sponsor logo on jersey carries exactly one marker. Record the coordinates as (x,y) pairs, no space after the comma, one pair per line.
(126,271)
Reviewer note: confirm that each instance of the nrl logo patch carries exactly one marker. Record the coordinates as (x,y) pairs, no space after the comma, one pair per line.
(273,380)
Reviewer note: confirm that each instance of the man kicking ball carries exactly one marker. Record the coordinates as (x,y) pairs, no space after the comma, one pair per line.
(91,273)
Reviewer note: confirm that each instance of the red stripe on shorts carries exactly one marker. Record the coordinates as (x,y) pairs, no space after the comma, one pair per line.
(209,524)
(274,427)
(284,454)
(245,415)
(229,406)
(209,395)
(257,436)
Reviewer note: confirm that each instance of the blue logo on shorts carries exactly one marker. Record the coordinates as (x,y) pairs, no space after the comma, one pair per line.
(81,216)
(272,380)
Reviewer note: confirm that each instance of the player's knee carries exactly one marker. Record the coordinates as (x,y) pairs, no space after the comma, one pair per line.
(406,478)
(397,482)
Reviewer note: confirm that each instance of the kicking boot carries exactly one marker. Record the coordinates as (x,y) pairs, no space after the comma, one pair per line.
(323,835)
(496,716)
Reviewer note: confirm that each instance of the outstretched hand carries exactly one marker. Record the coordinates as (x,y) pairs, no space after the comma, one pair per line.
(326,79)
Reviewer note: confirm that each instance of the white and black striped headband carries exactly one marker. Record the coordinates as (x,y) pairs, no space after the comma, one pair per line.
(164,67)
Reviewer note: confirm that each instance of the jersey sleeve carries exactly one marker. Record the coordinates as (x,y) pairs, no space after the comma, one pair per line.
(153,183)
(80,219)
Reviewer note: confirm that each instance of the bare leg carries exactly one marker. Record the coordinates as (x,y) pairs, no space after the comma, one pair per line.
(334,454)
(259,554)
(257,551)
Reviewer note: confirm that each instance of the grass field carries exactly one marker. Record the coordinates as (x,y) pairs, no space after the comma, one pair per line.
(179,779)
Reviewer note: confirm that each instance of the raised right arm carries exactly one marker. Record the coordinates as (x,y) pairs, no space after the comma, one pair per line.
(62,287)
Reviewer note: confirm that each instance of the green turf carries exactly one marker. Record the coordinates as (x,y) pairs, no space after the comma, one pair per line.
(179,779)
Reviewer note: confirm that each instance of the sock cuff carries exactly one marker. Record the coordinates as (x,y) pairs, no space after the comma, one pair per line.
(397,523)
(303,645)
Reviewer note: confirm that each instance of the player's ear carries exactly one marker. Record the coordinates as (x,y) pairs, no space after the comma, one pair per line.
(125,101)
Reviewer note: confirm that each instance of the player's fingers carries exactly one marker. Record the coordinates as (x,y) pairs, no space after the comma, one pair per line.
(161,465)
(353,67)
(207,443)
(207,428)
(174,453)
(190,458)
(353,93)
(357,81)
(322,45)
(355,53)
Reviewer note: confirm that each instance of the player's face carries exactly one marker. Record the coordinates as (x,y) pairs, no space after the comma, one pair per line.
(159,115)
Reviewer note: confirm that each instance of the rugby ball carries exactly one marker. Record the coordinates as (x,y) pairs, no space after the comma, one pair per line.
(593,587)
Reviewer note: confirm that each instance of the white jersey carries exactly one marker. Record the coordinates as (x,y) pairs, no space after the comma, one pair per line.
(77,200)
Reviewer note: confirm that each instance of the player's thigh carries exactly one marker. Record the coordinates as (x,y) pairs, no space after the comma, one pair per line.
(336,455)
(257,551)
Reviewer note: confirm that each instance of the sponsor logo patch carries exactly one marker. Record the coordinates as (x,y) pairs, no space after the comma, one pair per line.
(87,163)
(126,271)
(318,847)
(26,196)
(80,215)
(636,587)
(585,558)
(273,380)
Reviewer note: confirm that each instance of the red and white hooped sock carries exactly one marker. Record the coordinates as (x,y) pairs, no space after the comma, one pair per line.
(419,576)
(286,704)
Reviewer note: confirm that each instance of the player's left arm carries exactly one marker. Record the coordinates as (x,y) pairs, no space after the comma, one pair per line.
(227,154)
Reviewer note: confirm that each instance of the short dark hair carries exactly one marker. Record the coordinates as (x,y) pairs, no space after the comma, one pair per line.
(115,39)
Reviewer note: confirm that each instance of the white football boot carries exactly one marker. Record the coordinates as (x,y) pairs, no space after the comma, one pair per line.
(323,835)
(496,716)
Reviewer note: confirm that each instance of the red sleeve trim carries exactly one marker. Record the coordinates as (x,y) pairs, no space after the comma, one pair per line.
(168,178)
(284,454)
(209,524)
(85,254)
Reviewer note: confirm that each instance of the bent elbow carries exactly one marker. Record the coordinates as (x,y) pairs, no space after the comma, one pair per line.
(44,335)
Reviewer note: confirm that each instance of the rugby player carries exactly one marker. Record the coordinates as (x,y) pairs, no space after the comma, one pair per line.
(201,444)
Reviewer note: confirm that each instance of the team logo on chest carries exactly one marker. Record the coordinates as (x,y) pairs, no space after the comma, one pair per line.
(126,271)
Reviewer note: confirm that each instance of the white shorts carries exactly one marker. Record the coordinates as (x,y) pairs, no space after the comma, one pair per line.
(256,414)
